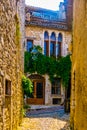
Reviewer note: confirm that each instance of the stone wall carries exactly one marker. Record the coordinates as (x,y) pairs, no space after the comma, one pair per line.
(37,35)
(10,65)
(48,96)
(79,67)
(69,12)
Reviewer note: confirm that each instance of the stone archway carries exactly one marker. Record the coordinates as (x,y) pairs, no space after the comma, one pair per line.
(38,90)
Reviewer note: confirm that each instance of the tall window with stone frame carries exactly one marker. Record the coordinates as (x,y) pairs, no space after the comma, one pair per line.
(56,86)
(46,43)
(53,45)
(59,44)
(29,45)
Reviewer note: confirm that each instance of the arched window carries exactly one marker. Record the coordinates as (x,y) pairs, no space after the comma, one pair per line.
(46,43)
(58,49)
(53,44)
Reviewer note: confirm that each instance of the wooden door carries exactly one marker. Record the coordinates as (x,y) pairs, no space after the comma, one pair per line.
(38,92)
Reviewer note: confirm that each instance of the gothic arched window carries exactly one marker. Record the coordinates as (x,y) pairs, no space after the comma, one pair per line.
(46,43)
(58,49)
(53,44)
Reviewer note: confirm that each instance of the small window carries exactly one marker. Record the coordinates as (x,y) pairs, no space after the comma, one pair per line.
(56,87)
(56,101)
(7,87)
(29,45)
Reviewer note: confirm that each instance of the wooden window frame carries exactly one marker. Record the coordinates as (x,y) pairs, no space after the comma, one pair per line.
(59,49)
(54,51)
(47,47)
(55,88)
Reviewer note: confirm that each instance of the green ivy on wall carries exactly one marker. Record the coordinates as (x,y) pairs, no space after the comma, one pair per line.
(47,65)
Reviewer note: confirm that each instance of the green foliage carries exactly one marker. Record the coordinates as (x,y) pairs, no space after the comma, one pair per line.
(48,65)
(27,86)
(64,69)
(37,48)
(24,109)
(26,106)
(23,112)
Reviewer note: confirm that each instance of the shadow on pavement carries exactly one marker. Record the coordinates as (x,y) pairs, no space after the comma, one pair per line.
(52,112)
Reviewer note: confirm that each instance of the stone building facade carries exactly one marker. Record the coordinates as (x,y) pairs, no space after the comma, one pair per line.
(52,32)
(11,69)
(79,67)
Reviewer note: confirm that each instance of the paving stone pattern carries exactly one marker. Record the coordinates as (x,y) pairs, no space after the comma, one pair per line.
(52,118)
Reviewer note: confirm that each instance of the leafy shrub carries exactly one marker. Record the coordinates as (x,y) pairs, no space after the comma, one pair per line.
(27,86)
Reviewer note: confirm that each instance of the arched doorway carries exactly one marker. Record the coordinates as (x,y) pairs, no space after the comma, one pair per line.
(38,96)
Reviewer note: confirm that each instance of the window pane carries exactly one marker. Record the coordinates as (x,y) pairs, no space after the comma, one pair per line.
(39,91)
(29,45)
(53,90)
(58,90)
(45,48)
(53,37)
(46,36)
(58,49)
(60,37)
(56,87)
(52,49)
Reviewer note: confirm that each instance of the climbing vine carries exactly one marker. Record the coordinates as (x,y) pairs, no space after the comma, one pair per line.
(47,65)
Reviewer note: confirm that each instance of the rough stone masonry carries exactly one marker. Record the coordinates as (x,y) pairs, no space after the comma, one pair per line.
(11,67)
(79,67)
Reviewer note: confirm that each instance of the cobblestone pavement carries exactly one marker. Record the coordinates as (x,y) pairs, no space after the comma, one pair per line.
(52,118)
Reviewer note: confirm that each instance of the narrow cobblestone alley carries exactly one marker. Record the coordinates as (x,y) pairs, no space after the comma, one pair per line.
(52,118)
